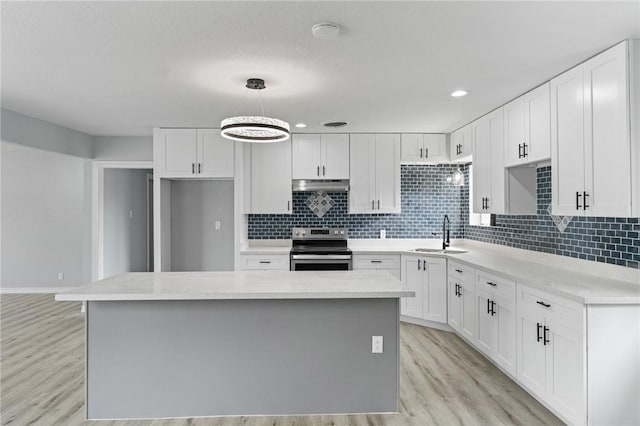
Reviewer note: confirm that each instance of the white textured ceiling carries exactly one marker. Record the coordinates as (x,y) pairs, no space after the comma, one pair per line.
(121,68)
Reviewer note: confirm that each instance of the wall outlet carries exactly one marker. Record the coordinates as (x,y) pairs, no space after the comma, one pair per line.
(217,225)
(60,276)
(383,233)
(376,344)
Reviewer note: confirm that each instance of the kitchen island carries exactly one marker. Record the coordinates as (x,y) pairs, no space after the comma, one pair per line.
(187,344)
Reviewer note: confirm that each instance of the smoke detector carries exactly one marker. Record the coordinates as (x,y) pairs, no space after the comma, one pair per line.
(325,31)
(334,124)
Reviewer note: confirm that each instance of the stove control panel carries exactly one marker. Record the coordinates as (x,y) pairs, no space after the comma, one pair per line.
(319,233)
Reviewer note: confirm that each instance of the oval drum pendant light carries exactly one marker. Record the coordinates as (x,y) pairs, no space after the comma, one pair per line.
(255,128)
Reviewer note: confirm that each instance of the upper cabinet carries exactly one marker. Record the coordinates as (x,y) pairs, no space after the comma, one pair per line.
(375,173)
(461,145)
(189,153)
(527,128)
(488,164)
(320,156)
(268,178)
(594,119)
(427,148)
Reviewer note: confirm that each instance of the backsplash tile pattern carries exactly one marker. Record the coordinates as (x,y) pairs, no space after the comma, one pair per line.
(426,198)
(601,239)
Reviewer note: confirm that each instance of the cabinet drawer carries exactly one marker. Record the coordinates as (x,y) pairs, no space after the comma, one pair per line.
(277,262)
(495,284)
(555,308)
(385,261)
(461,272)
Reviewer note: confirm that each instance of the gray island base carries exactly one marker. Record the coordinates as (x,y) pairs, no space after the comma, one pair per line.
(221,353)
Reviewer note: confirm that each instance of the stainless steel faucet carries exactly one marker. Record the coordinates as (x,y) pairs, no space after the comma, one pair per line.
(446,225)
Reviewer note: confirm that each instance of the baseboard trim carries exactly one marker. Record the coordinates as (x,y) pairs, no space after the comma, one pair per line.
(426,323)
(33,290)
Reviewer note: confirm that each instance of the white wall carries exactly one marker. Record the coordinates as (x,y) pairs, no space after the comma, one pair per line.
(46,218)
(123,148)
(125,221)
(22,129)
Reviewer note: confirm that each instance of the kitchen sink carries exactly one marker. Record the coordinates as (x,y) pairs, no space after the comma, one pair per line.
(439,250)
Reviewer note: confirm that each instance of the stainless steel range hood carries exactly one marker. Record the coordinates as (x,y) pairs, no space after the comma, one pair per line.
(303,185)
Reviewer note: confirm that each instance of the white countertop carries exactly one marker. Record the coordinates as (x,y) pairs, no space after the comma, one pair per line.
(580,280)
(240,285)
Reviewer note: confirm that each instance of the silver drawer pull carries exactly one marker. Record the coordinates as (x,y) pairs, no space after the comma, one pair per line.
(492,284)
(546,305)
(265,261)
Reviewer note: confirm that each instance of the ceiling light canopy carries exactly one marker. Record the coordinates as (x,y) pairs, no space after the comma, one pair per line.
(459,93)
(259,129)
(301,125)
(325,30)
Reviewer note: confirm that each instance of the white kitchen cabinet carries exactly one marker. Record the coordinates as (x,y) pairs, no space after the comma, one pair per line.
(496,319)
(594,119)
(378,262)
(264,262)
(268,179)
(426,276)
(551,351)
(461,146)
(374,164)
(527,128)
(320,156)
(462,308)
(488,164)
(192,153)
(424,148)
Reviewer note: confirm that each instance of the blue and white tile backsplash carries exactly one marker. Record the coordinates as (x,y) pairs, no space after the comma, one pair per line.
(426,197)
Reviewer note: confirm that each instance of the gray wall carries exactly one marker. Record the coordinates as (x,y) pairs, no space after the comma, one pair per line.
(124,148)
(125,221)
(195,243)
(46,218)
(22,129)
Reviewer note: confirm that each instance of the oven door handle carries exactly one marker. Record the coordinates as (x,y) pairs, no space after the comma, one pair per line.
(321,256)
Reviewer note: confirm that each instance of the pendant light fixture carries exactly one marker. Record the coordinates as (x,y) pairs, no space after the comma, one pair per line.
(259,129)
(457,178)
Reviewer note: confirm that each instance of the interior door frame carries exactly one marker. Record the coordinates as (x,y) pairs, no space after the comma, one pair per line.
(97,209)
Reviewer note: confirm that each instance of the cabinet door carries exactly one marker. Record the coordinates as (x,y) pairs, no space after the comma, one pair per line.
(607,140)
(531,363)
(538,125)
(565,379)
(461,144)
(434,302)
(467,142)
(481,165)
(175,152)
(362,170)
(412,147)
(412,275)
(271,178)
(387,173)
(335,156)
(515,117)
(468,311)
(435,148)
(505,334)
(455,304)
(215,155)
(485,327)
(496,201)
(456,139)
(567,142)
(306,159)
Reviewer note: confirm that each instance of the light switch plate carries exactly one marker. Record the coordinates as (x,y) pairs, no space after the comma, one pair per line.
(376,344)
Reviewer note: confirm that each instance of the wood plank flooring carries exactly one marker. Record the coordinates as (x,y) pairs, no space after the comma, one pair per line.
(443,380)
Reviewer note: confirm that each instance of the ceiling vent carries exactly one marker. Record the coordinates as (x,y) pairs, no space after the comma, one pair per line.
(334,124)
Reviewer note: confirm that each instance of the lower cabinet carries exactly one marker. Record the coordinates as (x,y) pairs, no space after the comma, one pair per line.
(462,305)
(378,262)
(551,351)
(264,262)
(496,319)
(427,276)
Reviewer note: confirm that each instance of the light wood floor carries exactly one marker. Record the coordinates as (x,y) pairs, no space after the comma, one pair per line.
(443,380)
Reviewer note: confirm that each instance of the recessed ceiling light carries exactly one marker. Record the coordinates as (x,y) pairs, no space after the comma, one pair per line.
(325,30)
(459,93)
(301,125)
